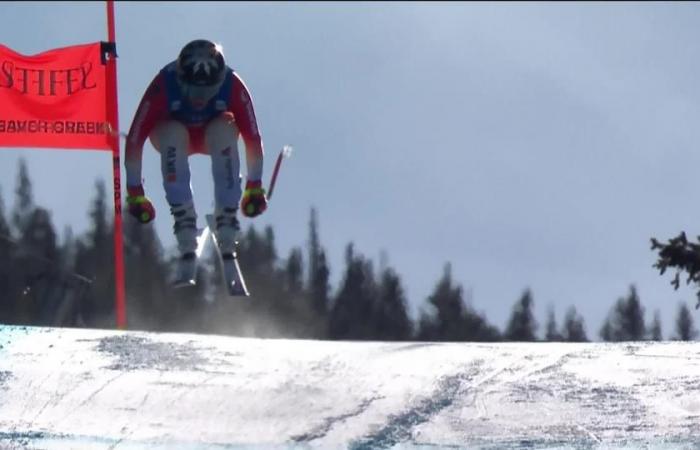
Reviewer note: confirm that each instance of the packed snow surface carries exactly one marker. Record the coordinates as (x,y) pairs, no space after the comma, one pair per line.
(111,389)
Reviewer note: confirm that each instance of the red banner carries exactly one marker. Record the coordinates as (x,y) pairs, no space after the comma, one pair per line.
(56,99)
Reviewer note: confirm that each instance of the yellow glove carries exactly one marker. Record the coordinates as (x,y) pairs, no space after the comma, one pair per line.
(254,201)
(139,205)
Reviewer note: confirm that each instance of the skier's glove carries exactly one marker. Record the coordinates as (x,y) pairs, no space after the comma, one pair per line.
(254,201)
(139,205)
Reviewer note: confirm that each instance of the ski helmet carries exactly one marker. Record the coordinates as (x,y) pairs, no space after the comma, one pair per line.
(201,63)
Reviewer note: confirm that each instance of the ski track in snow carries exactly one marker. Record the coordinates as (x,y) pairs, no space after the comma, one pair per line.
(399,427)
(103,389)
(328,423)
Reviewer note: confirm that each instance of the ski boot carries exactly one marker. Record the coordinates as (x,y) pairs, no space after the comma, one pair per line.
(185,229)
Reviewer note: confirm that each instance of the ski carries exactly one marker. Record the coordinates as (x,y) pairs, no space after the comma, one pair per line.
(186,266)
(233,278)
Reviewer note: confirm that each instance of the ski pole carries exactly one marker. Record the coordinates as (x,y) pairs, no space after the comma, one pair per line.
(286,151)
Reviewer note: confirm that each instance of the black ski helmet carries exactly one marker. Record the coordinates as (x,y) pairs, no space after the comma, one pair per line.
(201,63)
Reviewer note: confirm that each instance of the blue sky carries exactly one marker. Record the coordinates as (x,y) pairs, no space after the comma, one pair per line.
(530,145)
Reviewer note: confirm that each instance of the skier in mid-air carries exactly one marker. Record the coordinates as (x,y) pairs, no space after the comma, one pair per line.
(197,104)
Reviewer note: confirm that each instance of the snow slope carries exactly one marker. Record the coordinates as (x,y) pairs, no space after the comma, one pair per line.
(106,389)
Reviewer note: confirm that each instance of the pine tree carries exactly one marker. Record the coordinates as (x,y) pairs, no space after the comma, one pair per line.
(68,248)
(633,317)
(319,272)
(5,230)
(573,329)
(685,326)
(295,271)
(477,327)
(681,255)
(655,328)
(522,326)
(39,261)
(39,236)
(251,250)
(606,330)
(351,316)
(94,259)
(391,316)
(626,321)
(452,319)
(9,286)
(551,333)
(257,251)
(71,286)
(36,254)
(24,198)
(151,303)
(310,323)
(271,304)
(320,287)
(269,250)
(448,304)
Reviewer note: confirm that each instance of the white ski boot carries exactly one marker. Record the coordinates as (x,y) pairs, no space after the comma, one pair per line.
(185,228)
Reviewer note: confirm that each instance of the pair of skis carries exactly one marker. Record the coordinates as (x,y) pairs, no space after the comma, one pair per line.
(186,273)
